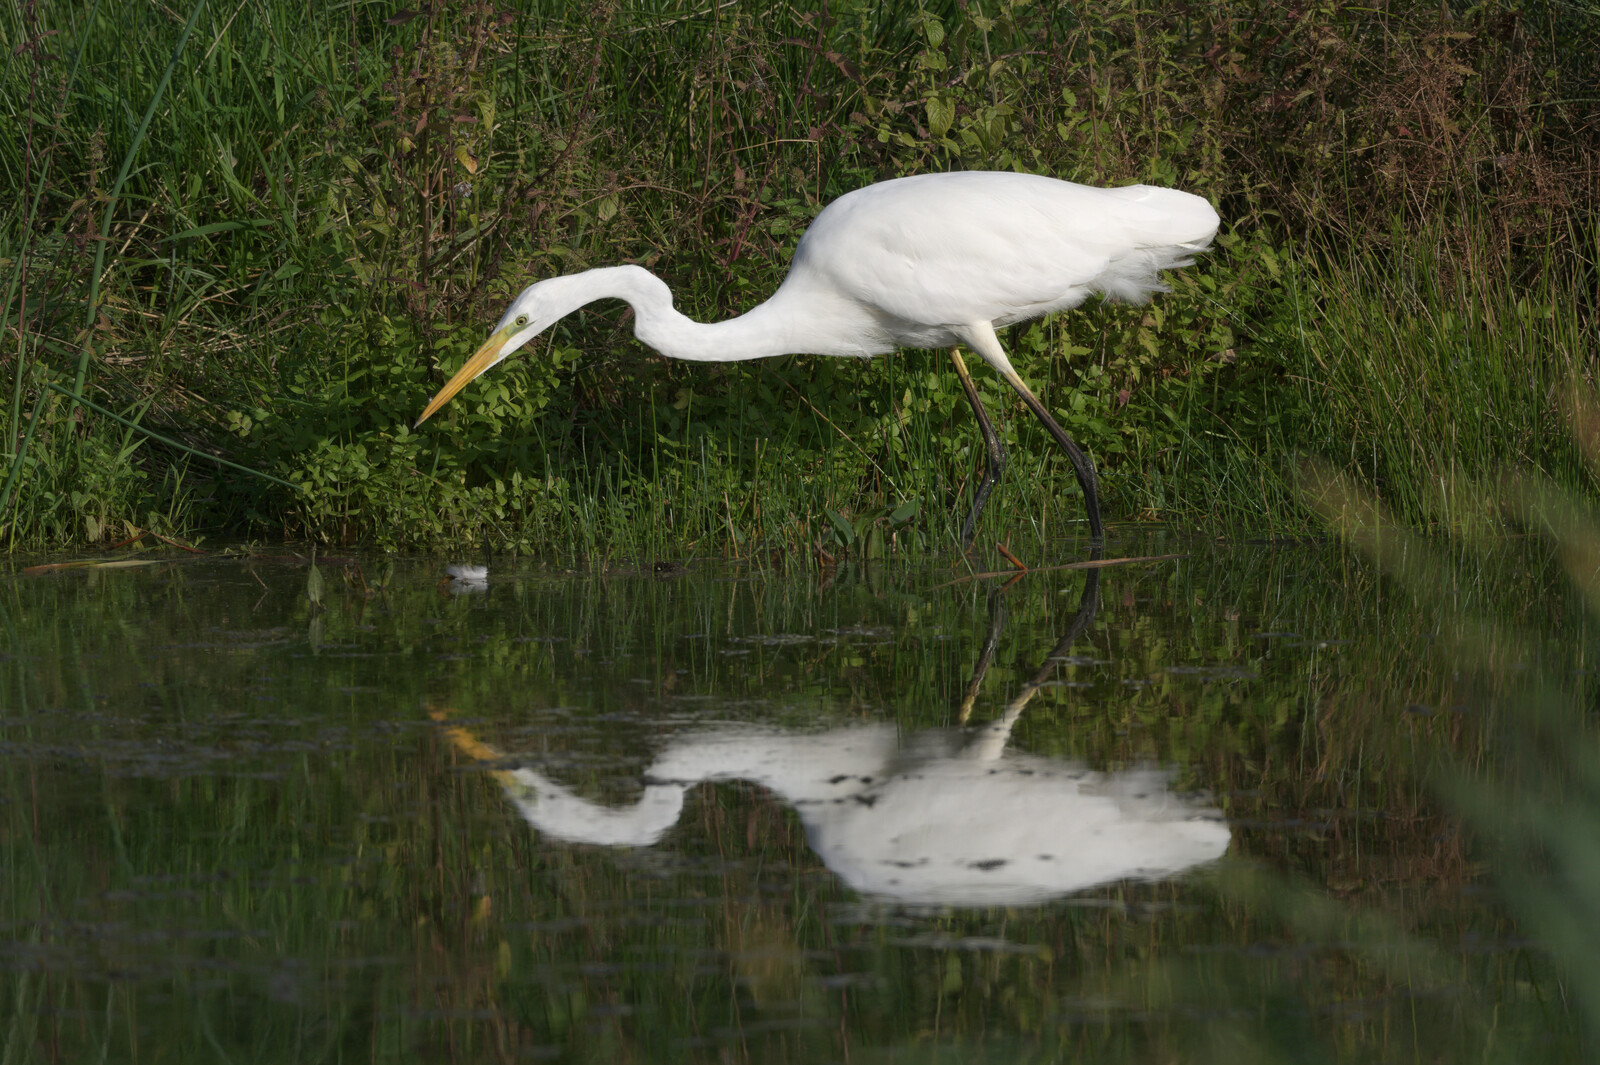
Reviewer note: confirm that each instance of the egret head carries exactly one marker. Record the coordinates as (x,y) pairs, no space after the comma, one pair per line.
(527,317)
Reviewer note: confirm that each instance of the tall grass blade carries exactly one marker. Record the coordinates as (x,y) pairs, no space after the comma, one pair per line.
(22,453)
(153,435)
(92,303)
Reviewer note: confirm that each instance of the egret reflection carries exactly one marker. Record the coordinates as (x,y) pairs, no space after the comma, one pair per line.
(948,816)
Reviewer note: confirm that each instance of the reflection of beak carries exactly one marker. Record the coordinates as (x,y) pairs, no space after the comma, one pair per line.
(468,744)
(481,360)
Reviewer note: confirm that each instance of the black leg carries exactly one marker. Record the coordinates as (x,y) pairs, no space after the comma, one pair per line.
(1080,462)
(1088,604)
(997,620)
(990,741)
(995,459)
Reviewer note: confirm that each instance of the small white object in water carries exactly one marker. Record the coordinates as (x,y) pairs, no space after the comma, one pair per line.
(466,571)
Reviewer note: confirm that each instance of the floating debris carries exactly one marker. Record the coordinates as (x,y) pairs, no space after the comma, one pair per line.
(119,563)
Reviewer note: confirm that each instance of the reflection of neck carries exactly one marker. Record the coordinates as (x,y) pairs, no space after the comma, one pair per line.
(557,812)
(802,768)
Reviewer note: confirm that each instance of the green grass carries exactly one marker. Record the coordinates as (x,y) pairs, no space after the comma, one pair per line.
(284,230)
(1415,373)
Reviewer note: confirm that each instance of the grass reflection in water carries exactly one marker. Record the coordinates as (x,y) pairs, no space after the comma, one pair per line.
(231,830)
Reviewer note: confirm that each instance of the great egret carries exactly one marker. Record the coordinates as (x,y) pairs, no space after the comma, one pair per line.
(937,817)
(929,818)
(931,261)
(944,816)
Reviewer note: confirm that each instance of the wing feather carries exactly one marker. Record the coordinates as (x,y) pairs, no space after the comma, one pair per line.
(1000,247)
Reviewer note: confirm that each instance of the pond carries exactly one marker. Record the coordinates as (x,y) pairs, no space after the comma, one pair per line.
(1177,809)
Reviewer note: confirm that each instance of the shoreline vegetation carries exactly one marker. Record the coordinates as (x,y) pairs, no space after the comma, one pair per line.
(266,234)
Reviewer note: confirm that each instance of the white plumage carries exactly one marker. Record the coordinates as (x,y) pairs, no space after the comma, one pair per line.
(943,819)
(931,261)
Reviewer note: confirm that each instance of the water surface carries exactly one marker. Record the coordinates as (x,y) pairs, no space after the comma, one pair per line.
(1174,811)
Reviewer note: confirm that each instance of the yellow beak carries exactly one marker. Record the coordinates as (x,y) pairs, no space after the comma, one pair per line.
(481,360)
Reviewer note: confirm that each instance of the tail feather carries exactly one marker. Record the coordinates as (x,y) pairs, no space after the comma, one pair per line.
(1175,227)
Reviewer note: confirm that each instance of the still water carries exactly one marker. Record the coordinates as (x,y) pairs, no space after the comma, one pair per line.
(1174,810)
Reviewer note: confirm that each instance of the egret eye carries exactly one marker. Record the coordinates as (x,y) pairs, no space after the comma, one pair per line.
(522,320)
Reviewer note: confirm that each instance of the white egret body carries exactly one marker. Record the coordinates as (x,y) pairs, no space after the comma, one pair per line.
(932,818)
(931,261)
(938,817)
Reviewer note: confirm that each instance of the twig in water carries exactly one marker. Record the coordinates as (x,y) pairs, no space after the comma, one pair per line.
(1094,563)
(1013,559)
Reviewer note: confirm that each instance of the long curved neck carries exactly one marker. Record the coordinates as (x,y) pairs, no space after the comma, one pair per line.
(766,330)
(557,812)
